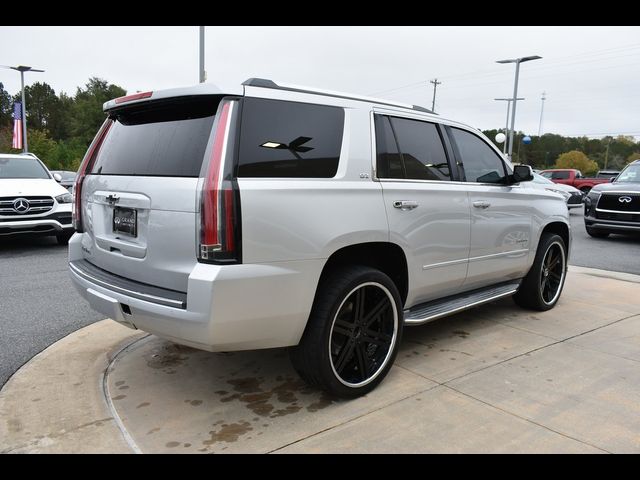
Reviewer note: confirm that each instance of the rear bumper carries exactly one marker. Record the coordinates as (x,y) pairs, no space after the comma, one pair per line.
(233,307)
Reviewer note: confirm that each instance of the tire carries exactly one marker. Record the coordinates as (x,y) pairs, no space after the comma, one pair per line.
(597,233)
(337,352)
(63,238)
(541,288)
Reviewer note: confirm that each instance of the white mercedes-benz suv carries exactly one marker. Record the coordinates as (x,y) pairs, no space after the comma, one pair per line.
(280,216)
(31,199)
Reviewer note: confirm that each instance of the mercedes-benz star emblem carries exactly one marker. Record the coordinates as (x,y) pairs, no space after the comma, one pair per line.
(21,205)
(624,199)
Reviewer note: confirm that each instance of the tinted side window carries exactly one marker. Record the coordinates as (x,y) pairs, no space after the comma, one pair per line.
(480,162)
(422,150)
(388,159)
(560,175)
(289,139)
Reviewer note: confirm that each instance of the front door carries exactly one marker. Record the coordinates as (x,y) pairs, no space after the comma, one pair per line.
(500,214)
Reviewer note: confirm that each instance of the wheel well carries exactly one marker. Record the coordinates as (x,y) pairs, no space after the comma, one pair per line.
(386,257)
(559,228)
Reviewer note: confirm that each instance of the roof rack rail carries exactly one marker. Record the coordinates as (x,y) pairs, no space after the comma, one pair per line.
(266,83)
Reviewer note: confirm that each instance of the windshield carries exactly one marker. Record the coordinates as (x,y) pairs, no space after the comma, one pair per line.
(630,174)
(22,168)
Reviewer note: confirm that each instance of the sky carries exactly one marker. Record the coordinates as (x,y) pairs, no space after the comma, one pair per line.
(590,74)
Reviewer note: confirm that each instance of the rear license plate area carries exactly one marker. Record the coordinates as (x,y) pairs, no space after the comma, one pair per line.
(125,221)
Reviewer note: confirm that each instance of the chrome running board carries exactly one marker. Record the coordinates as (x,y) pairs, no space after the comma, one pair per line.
(426,312)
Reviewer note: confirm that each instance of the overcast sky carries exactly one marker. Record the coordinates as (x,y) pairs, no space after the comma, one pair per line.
(590,74)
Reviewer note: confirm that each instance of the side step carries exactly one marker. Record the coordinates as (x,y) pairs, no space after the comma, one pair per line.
(435,309)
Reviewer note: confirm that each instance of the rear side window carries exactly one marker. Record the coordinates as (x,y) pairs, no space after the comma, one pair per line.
(289,139)
(158,139)
(480,162)
(560,175)
(410,149)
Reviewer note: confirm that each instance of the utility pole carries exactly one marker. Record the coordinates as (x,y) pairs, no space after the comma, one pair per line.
(22,69)
(606,155)
(541,112)
(203,74)
(435,85)
(506,128)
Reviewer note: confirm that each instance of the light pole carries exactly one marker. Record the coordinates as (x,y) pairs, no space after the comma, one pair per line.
(22,69)
(517,61)
(506,127)
(203,75)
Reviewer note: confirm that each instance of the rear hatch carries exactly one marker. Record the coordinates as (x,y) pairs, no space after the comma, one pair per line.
(140,198)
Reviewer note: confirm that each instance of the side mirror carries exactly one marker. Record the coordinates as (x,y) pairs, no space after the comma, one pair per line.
(522,173)
(613,179)
(57,177)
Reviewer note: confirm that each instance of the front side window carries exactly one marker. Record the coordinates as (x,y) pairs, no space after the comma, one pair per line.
(289,139)
(560,175)
(410,149)
(480,162)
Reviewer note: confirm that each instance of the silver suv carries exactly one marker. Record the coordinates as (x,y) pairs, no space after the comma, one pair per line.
(280,216)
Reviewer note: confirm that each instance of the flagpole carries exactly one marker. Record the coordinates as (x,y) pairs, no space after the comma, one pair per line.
(25,146)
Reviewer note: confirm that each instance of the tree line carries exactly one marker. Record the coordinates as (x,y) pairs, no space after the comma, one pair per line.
(62,126)
(586,154)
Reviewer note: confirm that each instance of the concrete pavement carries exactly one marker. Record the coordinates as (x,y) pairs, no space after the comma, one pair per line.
(493,379)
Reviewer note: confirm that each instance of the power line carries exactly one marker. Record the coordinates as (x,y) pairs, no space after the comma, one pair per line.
(547,64)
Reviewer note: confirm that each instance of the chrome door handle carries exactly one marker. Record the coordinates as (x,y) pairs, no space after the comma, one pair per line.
(405,204)
(481,204)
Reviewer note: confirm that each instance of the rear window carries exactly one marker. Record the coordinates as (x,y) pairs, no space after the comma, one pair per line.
(289,139)
(166,139)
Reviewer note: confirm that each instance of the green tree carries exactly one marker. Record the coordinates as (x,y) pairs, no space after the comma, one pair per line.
(42,105)
(43,146)
(6,108)
(633,156)
(86,111)
(578,160)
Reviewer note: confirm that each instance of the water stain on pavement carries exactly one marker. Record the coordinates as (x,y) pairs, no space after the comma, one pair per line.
(229,432)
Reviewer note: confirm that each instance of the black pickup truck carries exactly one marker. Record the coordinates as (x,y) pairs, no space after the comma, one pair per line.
(614,207)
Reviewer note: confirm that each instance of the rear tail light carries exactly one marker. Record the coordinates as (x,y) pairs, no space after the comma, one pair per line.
(219,197)
(85,167)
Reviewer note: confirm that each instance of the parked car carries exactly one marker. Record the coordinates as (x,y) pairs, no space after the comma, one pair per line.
(573,177)
(614,207)
(571,195)
(67,178)
(607,174)
(31,200)
(279,216)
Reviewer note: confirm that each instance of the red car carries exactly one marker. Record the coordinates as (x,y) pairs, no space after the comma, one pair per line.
(573,177)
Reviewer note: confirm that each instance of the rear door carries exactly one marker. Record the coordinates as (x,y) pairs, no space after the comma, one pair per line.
(428,213)
(141,195)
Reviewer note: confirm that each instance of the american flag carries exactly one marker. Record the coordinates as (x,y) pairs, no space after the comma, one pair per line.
(17,126)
